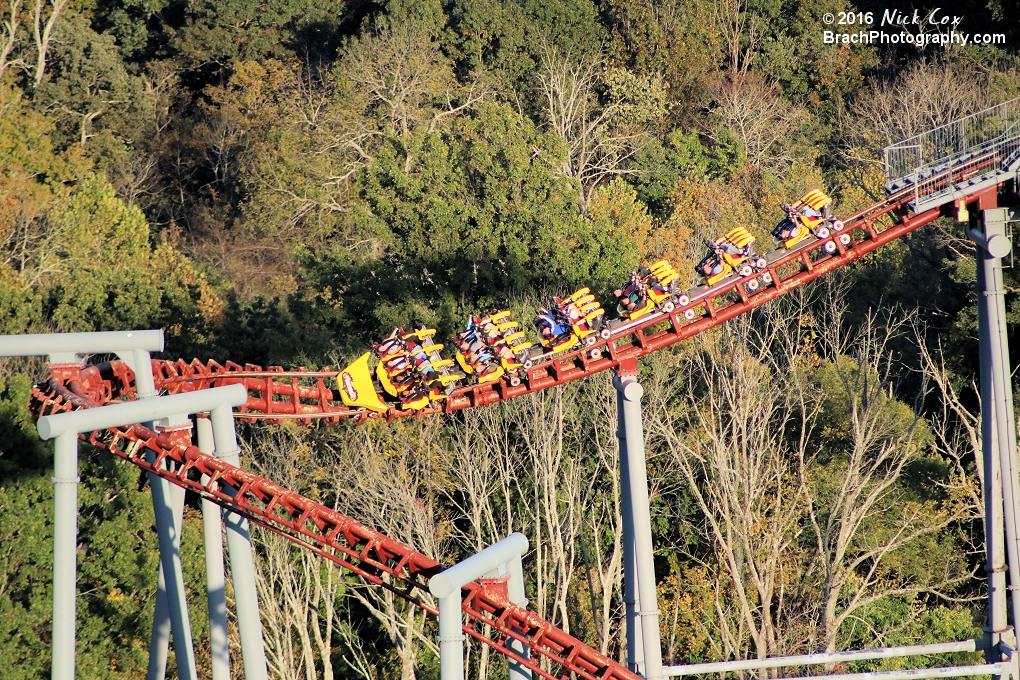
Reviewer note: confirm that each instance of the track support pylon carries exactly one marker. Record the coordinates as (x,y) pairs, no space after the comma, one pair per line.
(639,566)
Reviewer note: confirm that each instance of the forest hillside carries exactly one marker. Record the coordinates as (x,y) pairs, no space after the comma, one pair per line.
(284,181)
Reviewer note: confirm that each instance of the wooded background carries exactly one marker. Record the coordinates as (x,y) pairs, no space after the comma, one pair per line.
(284,181)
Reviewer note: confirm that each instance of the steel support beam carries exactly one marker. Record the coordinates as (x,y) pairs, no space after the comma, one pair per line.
(65,427)
(242,561)
(212,530)
(165,614)
(998,423)
(995,549)
(515,591)
(629,393)
(504,556)
(64,348)
(171,611)
(65,554)
(824,658)
(635,653)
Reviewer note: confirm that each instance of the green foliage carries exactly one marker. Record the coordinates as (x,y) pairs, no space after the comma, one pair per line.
(21,451)
(106,245)
(660,165)
(118,562)
(480,214)
(26,568)
(215,34)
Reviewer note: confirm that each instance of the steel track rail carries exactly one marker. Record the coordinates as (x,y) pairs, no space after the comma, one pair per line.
(276,394)
(376,558)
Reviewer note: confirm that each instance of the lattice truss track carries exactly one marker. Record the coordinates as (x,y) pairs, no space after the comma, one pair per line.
(302,395)
(276,394)
(376,558)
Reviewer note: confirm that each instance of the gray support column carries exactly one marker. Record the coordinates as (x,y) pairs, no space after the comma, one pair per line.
(64,348)
(515,591)
(65,553)
(214,574)
(172,575)
(630,393)
(171,596)
(242,563)
(992,246)
(159,643)
(446,587)
(635,653)
(451,638)
(995,566)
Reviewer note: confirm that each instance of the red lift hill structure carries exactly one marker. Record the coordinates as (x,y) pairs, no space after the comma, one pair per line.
(967,170)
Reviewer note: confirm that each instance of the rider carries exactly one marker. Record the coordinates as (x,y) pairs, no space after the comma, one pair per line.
(716,265)
(550,325)
(632,295)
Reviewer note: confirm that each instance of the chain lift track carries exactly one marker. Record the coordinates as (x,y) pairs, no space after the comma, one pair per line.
(277,394)
(376,558)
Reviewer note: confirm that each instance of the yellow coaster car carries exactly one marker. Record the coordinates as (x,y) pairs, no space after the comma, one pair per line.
(492,347)
(409,369)
(648,288)
(357,389)
(730,253)
(570,321)
(514,339)
(807,217)
(584,313)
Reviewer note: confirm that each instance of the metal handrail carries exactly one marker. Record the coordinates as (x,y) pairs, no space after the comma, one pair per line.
(950,140)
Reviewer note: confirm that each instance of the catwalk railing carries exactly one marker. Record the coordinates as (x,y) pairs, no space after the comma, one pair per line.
(951,140)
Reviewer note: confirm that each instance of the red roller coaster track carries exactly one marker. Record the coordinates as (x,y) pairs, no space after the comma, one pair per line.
(276,394)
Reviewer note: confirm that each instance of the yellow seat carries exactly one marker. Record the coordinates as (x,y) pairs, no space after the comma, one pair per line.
(739,236)
(816,199)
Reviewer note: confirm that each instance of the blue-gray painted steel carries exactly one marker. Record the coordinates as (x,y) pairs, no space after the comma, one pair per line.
(66,345)
(631,392)
(145,410)
(635,654)
(212,532)
(451,580)
(995,554)
(168,505)
(65,554)
(1002,392)
(242,562)
(824,658)
(515,591)
(917,674)
(503,556)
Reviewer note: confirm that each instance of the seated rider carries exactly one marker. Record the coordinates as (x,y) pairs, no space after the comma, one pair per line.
(716,264)
(805,210)
(712,266)
(550,326)
(632,295)
(571,314)
(393,344)
(474,348)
